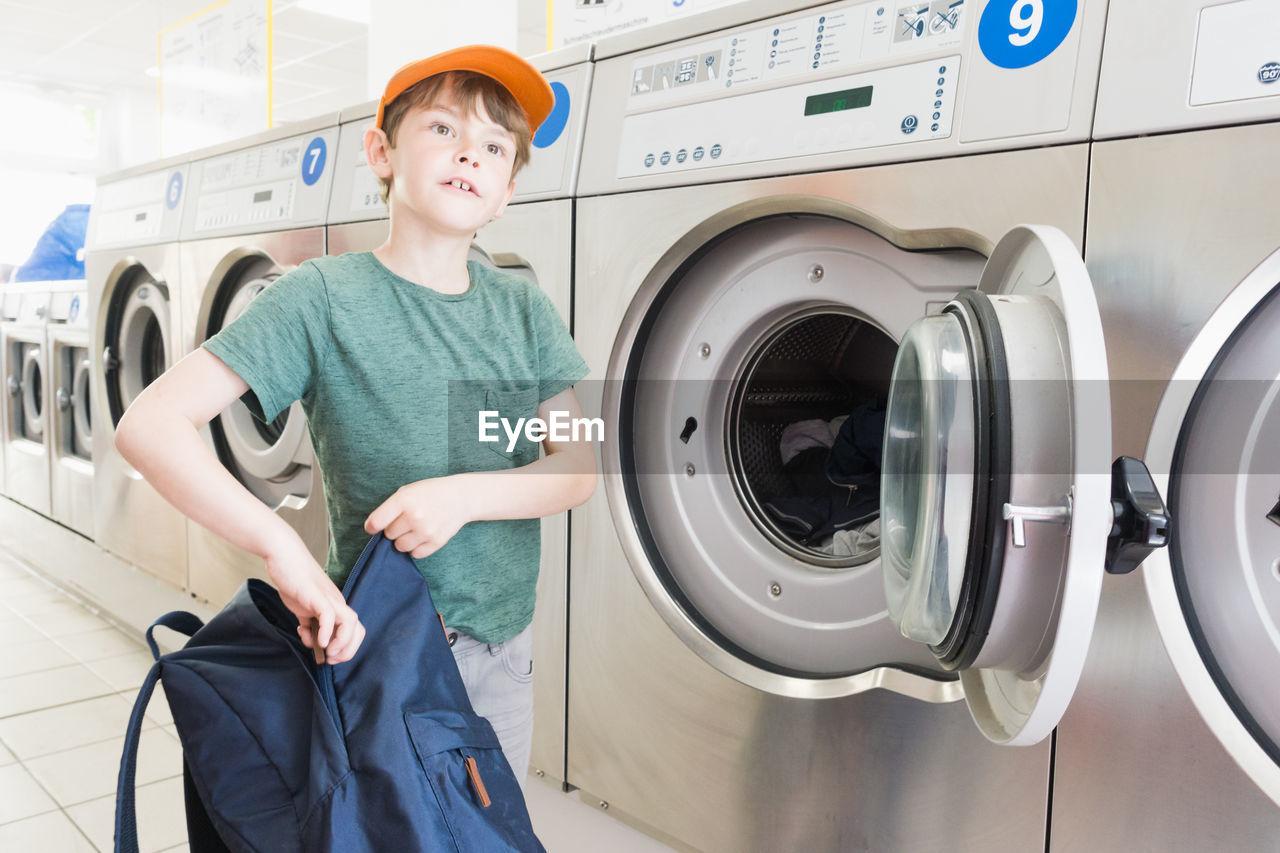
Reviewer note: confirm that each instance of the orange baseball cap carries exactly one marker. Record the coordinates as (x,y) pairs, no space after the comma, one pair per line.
(525,83)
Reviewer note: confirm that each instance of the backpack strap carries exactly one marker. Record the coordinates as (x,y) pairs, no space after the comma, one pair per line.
(126,815)
(180,621)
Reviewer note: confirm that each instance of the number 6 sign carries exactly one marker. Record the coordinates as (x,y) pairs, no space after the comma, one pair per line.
(1018,33)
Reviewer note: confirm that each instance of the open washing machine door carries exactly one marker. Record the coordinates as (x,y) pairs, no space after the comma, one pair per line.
(1215,594)
(997,492)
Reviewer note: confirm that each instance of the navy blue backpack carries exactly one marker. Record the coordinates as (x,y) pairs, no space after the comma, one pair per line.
(381,753)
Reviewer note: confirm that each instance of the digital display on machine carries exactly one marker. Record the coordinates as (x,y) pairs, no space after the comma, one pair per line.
(834,102)
(140,217)
(263,195)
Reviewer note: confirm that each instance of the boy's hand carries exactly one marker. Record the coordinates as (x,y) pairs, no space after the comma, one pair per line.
(420,517)
(325,621)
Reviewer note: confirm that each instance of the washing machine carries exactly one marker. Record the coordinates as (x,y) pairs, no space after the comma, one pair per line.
(533,238)
(1178,701)
(131,269)
(777,224)
(256,210)
(25,406)
(70,409)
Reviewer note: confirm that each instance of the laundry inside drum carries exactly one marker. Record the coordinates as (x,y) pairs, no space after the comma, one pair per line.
(805,433)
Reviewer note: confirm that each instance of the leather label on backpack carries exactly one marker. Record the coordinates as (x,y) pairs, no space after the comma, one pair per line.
(473,773)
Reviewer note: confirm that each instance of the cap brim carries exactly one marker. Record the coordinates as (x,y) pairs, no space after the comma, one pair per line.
(525,83)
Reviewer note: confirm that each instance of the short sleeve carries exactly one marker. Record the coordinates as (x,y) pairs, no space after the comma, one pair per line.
(560,365)
(278,345)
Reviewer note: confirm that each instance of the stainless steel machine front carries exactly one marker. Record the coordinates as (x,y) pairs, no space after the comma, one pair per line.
(1171,741)
(534,239)
(25,406)
(131,268)
(764,215)
(256,210)
(70,410)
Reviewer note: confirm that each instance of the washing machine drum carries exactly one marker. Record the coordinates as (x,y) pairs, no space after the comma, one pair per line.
(1216,593)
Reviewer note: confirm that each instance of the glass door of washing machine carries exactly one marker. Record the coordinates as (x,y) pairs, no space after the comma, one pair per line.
(275,460)
(135,330)
(999,502)
(1215,593)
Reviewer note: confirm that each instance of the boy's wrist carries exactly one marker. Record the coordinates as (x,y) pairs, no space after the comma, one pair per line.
(465,490)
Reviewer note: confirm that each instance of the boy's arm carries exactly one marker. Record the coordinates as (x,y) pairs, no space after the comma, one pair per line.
(421,517)
(159,436)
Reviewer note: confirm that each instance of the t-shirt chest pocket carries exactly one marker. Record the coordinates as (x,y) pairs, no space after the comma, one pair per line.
(514,407)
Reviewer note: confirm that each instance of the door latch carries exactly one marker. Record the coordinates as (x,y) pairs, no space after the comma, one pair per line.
(1020,515)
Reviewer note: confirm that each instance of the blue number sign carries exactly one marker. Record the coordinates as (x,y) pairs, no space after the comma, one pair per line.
(1019,33)
(313,161)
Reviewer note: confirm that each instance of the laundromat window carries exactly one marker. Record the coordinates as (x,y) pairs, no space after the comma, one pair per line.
(805,434)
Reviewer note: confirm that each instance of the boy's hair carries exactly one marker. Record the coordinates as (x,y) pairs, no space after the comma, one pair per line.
(469,89)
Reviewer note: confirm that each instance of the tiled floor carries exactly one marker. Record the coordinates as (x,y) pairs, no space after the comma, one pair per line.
(68,679)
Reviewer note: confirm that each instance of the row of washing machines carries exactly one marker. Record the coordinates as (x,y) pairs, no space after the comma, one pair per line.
(745,222)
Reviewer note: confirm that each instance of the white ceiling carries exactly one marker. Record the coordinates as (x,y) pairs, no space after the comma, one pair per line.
(96,48)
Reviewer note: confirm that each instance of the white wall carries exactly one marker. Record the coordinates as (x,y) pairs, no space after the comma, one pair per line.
(401,31)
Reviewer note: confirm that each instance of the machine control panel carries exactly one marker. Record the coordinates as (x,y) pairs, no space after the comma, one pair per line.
(885,107)
(842,85)
(139,210)
(279,184)
(837,38)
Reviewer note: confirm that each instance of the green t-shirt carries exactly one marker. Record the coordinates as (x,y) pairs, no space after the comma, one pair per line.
(392,376)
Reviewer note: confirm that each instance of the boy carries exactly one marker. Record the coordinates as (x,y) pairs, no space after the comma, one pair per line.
(393,354)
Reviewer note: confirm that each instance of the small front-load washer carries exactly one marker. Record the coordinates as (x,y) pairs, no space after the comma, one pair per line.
(70,409)
(256,210)
(26,394)
(769,218)
(1180,694)
(131,269)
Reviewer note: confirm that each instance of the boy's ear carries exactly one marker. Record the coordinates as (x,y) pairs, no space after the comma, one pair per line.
(376,148)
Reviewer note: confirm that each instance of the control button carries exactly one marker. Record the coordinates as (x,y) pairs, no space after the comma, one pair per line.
(682,155)
(941,80)
(937,116)
(934,127)
(698,153)
(937,104)
(909,124)
(648,160)
(942,69)
(938,93)
(665,158)
(715,152)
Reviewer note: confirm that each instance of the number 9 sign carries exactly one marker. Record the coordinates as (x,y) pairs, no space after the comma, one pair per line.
(1018,33)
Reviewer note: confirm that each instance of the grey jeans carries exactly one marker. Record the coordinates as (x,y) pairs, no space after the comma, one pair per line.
(499,682)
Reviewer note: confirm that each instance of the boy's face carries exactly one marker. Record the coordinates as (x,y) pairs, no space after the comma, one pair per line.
(451,165)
